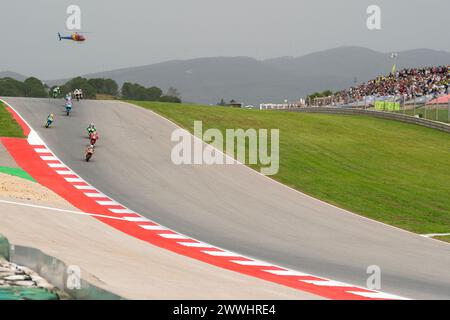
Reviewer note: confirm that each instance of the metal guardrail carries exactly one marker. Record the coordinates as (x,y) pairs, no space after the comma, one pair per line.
(378,114)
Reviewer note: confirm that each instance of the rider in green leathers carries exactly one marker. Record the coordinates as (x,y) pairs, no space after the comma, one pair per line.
(91,129)
(56,92)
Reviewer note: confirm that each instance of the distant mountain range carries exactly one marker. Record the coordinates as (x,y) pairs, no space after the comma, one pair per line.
(251,81)
(13,75)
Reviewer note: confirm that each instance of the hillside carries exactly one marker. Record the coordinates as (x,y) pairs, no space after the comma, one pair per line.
(13,75)
(207,80)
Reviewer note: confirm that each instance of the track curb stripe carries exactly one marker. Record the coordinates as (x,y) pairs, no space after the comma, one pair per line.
(34,156)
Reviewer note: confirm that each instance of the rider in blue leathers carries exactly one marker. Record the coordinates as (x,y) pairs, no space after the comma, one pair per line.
(50,119)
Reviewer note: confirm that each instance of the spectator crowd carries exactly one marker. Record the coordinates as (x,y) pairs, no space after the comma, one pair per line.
(406,84)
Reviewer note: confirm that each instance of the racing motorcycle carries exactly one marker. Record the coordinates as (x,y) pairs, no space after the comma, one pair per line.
(78,94)
(48,123)
(68,107)
(90,131)
(89,153)
(56,92)
(93,137)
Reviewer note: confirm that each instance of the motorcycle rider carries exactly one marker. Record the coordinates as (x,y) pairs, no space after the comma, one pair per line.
(50,119)
(94,137)
(77,94)
(91,128)
(89,150)
(56,92)
(68,103)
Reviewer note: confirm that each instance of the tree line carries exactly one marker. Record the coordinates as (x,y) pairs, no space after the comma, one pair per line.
(33,87)
(90,87)
(134,91)
(324,94)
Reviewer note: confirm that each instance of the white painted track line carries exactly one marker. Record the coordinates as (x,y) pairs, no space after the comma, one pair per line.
(152,227)
(108,203)
(95,195)
(65,172)
(172,236)
(74,179)
(84,187)
(252,263)
(327,283)
(221,253)
(196,244)
(56,165)
(49,158)
(121,211)
(431,235)
(136,219)
(287,273)
(42,150)
(376,295)
(60,210)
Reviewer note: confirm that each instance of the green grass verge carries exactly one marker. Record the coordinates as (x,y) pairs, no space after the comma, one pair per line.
(17,172)
(446,239)
(8,126)
(390,171)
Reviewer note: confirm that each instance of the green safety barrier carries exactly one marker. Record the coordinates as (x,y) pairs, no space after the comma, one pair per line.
(387,106)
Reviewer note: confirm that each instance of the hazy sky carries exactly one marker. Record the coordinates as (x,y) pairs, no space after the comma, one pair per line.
(139,32)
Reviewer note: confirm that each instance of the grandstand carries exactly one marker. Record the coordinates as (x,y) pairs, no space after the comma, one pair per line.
(420,92)
(419,84)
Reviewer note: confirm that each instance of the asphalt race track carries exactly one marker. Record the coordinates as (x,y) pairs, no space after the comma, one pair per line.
(233,207)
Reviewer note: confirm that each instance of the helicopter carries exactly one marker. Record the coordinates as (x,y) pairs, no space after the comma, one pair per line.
(75,36)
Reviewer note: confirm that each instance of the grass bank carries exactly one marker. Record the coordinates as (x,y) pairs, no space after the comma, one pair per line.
(8,126)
